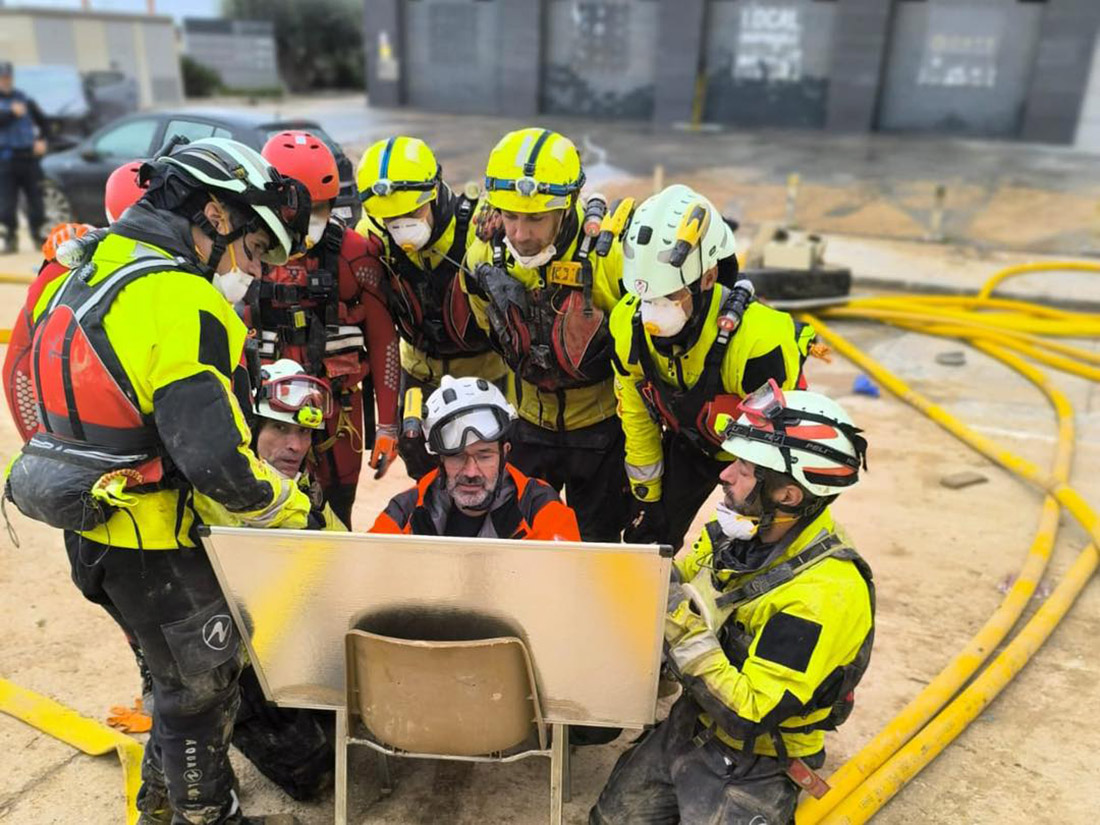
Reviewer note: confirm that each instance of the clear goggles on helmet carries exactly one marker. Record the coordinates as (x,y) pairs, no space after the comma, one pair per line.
(484,423)
(528,187)
(763,405)
(384,186)
(309,399)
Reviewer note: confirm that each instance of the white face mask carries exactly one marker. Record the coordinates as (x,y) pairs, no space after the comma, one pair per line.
(541,258)
(735,525)
(409,233)
(317,224)
(662,317)
(232,284)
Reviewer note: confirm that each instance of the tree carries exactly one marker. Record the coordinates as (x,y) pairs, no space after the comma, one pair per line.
(198,80)
(318,44)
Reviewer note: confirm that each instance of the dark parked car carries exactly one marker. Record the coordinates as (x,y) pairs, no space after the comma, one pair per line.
(76,177)
(76,104)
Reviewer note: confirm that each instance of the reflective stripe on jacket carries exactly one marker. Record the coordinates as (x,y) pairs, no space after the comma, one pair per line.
(767,344)
(780,649)
(173,350)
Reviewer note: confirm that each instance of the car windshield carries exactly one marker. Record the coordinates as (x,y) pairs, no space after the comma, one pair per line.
(57,90)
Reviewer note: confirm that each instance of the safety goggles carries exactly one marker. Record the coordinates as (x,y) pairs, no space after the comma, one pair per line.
(528,187)
(309,399)
(384,186)
(289,199)
(451,435)
(763,405)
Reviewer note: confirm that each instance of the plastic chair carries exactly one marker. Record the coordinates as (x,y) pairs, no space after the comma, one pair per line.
(469,700)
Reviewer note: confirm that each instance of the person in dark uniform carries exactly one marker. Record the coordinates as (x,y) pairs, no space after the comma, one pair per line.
(22,143)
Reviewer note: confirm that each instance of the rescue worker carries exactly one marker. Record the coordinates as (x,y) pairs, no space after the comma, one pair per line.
(23,131)
(325,309)
(689,343)
(154,423)
(544,296)
(287,745)
(476,491)
(424,229)
(121,191)
(770,627)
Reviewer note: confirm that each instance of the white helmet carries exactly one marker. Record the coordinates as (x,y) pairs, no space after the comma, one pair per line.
(240,175)
(673,238)
(289,394)
(804,435)
(462,407)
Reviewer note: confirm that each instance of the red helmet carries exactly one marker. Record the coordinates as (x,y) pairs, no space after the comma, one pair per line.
(302,156)
(122,190)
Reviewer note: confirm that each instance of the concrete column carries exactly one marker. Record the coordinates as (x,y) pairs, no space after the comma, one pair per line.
(680,50)
(1063,58)
(382,44)
(861,34)
(520,69)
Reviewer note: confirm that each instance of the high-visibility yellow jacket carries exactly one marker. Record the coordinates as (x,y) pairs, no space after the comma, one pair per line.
(775,654)
(767,344)
(571,407)
(177,348)
(427,305)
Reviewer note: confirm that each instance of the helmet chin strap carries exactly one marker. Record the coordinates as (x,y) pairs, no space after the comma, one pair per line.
(772,512)
(221,240)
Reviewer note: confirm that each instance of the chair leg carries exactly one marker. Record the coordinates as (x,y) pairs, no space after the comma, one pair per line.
(559,743)
(341,801)
(567,768)
(385,778)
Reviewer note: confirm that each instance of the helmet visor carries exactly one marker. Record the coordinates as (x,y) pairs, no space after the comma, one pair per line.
(764,404)
(295,393)
(451,435)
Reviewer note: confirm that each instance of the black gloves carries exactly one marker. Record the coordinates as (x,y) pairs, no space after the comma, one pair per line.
(647,523)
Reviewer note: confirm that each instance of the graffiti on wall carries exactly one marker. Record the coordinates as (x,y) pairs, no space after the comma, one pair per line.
(769,44)
(959,60)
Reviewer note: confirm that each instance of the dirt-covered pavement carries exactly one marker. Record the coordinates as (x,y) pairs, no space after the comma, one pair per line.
(941,559)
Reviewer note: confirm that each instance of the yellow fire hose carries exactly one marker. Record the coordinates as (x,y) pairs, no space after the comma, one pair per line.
(858,791)
(9,278)
(82,733)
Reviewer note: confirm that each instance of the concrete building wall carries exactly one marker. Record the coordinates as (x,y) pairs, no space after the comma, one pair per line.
(860,35)
(141,46)
(90,37)
(1087,136)
(17,40)
(1062,64)
(242,52)
(1012,68)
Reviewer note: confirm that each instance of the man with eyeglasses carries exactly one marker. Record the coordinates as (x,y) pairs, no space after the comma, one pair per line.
(423,228)
(543,288)
(475,492)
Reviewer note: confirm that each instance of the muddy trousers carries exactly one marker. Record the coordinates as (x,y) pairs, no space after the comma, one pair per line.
(170,602)
(666,778)
(588,463)
(287,745)
(690,477)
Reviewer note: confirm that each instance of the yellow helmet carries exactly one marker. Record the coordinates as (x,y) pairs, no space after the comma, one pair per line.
(397,176)
(533,170)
